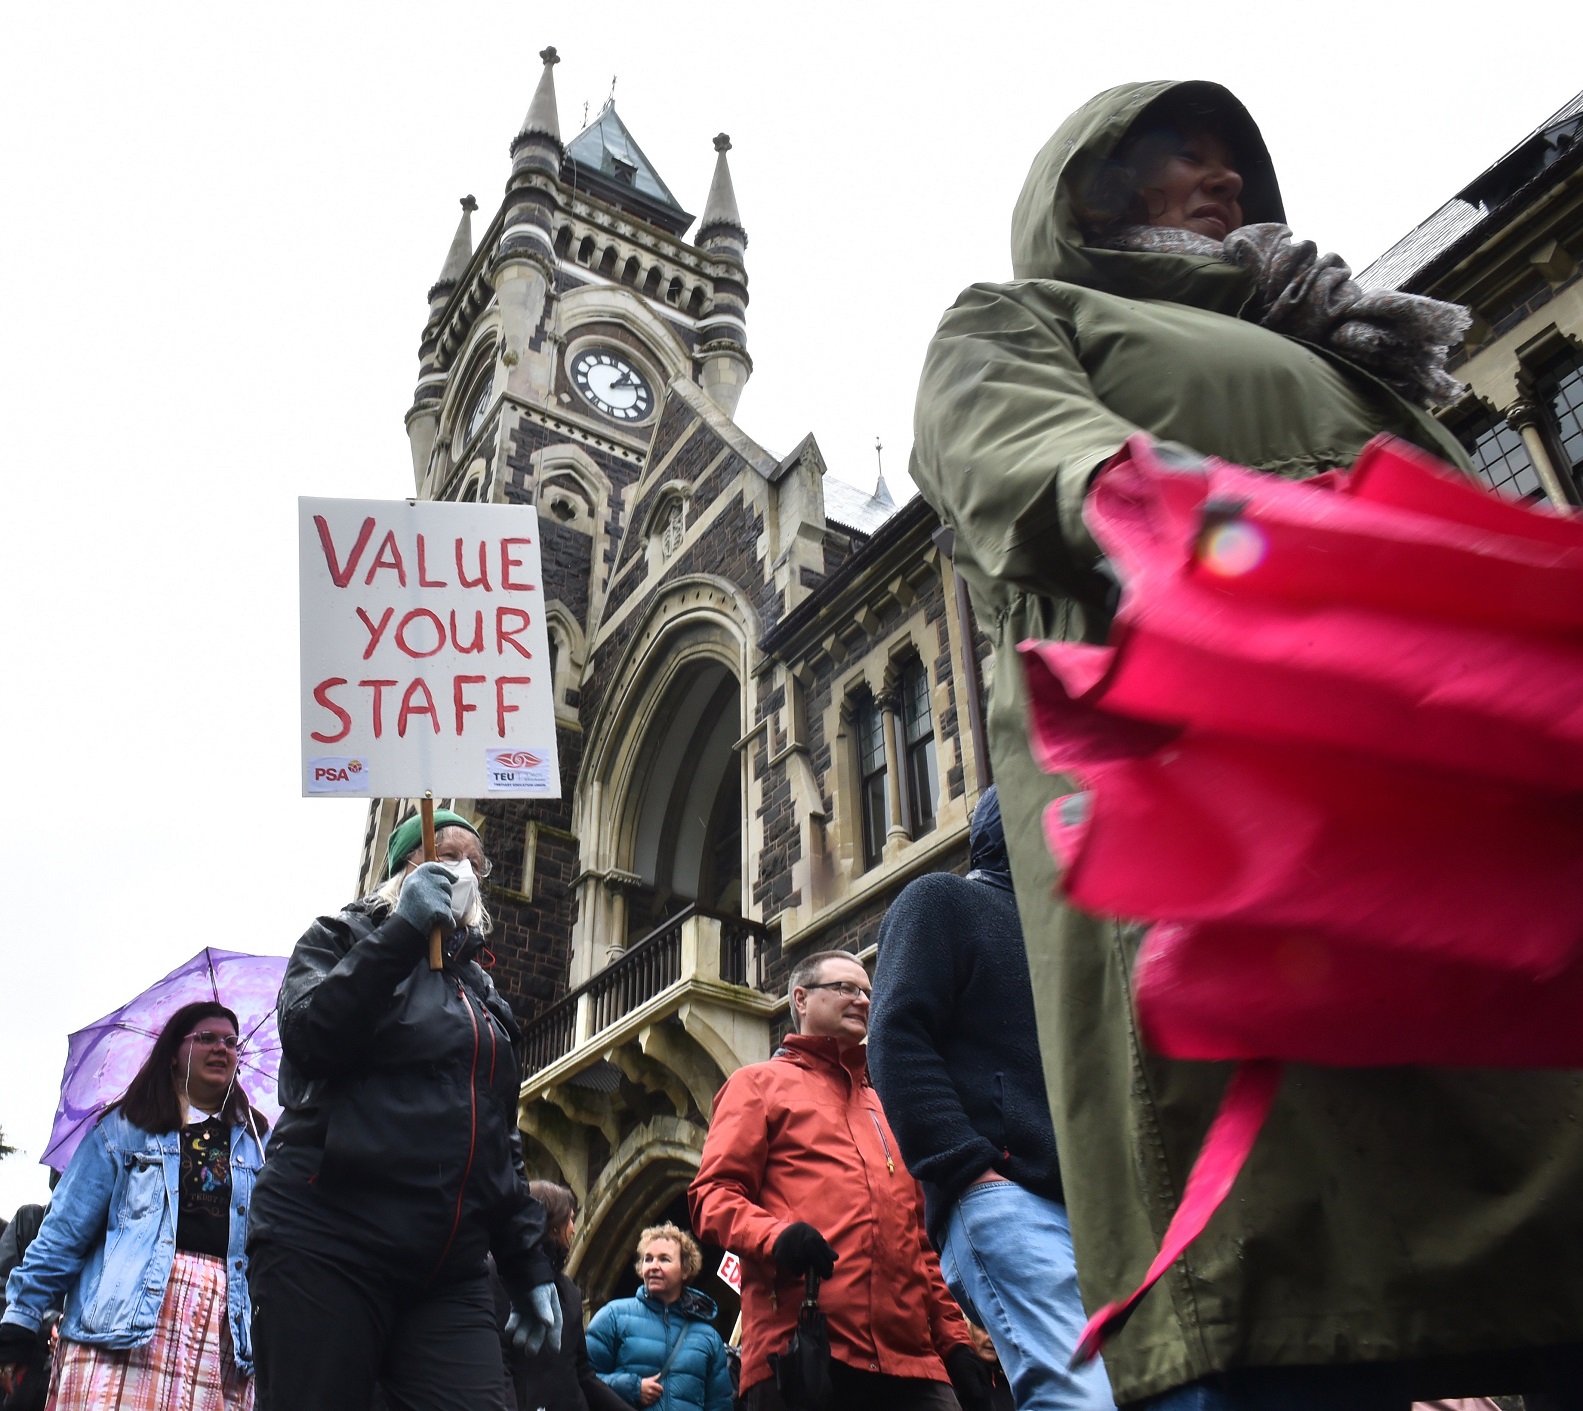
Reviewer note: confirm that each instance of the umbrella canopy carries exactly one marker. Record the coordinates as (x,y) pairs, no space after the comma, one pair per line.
(103,1057)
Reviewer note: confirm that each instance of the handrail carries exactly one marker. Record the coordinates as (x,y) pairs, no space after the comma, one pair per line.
(650,965)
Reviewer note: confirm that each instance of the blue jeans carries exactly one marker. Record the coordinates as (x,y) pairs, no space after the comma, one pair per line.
(1007,1259)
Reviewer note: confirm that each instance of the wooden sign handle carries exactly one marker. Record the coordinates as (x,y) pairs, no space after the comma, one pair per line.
(437,936)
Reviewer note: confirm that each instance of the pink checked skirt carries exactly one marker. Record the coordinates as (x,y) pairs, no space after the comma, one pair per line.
(189,1365)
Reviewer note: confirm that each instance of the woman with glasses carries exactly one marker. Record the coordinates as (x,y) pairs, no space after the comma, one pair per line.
(145,1239)
(395,1172)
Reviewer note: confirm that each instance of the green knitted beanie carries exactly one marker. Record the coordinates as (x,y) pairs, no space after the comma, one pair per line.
(409,836)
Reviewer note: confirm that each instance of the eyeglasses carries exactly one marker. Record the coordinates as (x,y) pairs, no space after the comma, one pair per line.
(847,989)
(480,868)
(209,1038)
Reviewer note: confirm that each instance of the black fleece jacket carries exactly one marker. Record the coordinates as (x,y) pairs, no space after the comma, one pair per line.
(953,1049)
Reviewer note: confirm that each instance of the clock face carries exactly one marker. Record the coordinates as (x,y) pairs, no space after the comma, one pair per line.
(612,384)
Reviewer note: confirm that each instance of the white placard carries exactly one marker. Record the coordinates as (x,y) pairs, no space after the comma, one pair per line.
(425,660)
(730,1271)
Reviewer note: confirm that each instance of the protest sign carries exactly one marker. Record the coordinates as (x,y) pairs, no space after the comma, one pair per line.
(425,660)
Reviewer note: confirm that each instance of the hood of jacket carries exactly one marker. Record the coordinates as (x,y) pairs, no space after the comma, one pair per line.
(694,1303)
(1047,238)
(988,860)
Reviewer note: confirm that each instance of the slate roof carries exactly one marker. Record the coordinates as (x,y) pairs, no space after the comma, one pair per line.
(1558,139)
(606,148)
(853,508)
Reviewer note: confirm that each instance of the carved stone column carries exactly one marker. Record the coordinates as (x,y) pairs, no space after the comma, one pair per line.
(1523,416)
(890,712)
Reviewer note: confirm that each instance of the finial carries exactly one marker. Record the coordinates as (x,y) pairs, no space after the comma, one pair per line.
(881,490)
(720,210)
(469,204)
(549,56)
(722,142)
(612,98)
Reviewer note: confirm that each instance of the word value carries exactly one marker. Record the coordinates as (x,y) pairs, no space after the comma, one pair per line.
(389,558)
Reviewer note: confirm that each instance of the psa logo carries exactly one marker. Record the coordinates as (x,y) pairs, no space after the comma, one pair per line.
(519,771)
(334,774)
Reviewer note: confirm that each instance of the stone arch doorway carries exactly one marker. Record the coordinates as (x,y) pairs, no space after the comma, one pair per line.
(631,1201)
(686,804)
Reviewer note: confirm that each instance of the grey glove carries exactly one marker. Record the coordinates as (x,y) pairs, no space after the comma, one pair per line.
(425,900)
(535,1321)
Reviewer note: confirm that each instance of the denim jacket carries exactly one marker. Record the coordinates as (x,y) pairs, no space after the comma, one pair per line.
(109,1240)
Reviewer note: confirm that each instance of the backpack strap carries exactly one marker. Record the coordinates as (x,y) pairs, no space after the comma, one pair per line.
(1246,1104)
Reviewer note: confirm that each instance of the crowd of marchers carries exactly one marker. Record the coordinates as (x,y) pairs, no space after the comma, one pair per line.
(178,1264)
(944,1169)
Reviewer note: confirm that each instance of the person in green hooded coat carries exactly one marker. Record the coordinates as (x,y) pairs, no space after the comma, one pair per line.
(1398,1233)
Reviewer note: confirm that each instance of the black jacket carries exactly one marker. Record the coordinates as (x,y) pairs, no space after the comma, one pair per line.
(397,1149)
(557,1381)
(953,1049)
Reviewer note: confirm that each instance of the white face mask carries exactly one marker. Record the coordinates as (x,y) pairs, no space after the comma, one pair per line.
(464,888)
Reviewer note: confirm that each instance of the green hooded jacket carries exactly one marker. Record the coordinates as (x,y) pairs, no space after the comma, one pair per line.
(1409,1215)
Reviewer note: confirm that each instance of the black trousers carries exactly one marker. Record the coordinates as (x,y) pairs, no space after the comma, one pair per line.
(857,1390)
(325,1334)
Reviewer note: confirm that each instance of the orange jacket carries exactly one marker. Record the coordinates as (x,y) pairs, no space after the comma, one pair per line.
(803,1137)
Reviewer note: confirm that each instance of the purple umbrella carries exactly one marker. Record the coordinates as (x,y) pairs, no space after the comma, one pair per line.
(102,1059)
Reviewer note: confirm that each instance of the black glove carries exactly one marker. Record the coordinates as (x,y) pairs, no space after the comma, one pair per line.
(799,1248)
(970,1378)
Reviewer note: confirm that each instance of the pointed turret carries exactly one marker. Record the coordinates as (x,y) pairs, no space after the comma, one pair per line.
(459,256)
(538,141)
(423,417)
(723,330)
(720,210)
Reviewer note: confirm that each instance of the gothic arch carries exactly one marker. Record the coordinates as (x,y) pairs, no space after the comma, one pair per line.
(663,799)
(653,1165)
(602,302)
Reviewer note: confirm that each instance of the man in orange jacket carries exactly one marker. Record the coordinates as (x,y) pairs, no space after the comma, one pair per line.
(800,1172)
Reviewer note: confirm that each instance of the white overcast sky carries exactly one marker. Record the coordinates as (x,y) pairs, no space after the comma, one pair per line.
(219,225)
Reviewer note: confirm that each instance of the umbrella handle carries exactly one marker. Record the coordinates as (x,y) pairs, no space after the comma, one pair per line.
(810,1283)
(437,936)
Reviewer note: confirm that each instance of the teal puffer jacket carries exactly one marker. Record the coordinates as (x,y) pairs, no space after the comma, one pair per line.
(632,1338)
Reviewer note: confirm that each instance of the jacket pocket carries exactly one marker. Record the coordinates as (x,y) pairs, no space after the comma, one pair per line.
(143,1192)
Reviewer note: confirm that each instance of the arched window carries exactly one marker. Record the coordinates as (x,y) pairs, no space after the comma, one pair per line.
(673,295)
(1500,456)
(651,285)
(920,769)
(585,251)
(1558,389)
(563,241)
(695,305)
(607,266)
(870,734)
(630,270)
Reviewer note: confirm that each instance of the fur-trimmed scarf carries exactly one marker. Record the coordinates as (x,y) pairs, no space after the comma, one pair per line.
(1403,339)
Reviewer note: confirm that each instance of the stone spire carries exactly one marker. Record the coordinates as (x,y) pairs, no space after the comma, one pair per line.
(460,254)
(720,210)
(543,115)
(723,329)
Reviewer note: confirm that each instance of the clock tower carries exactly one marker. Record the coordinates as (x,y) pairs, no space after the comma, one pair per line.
(579,335)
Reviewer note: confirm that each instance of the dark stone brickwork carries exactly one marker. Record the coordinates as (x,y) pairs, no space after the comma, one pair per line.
(772,888)
(532,940)
(675,418)
(567,555)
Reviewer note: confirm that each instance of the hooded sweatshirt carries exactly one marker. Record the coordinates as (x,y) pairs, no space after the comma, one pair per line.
(1406,1214)
(953,1046)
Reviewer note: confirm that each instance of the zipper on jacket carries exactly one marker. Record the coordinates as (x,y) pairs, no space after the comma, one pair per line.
(472,1134)
(880,1131)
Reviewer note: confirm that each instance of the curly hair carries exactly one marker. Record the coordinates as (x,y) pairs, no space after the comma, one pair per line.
(692,1256)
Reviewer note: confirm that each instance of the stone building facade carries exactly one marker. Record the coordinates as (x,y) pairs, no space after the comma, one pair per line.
(1509,245)
(768,683)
